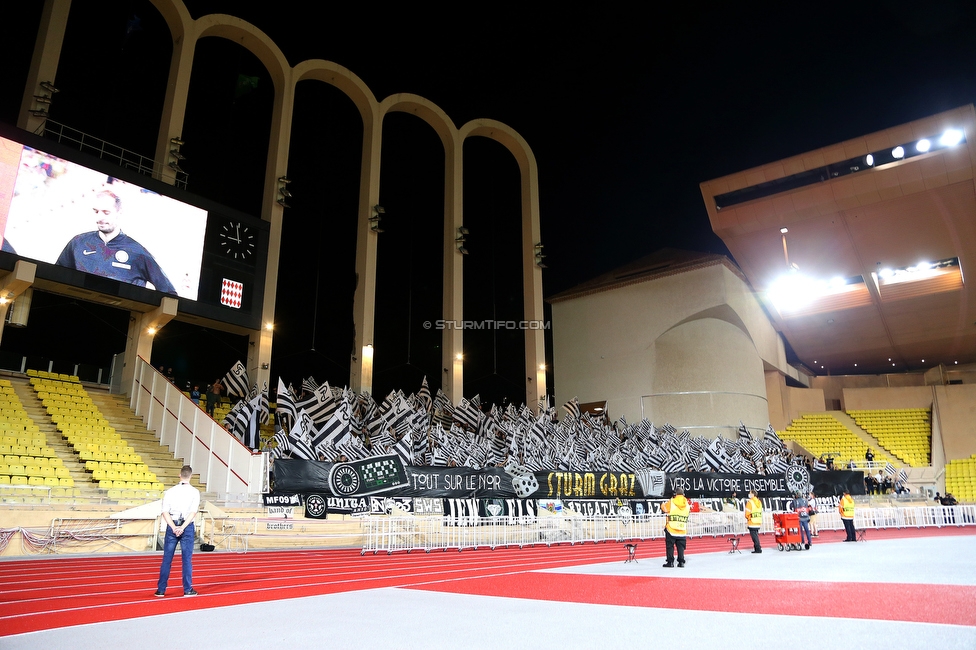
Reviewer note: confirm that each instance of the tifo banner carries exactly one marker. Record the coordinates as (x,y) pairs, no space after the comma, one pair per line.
(383,476)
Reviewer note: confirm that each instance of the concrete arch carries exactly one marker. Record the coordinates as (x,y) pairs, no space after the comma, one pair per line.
(343,79)
(452,340)
(429,112)
(722,312)
(251,39)
(507,137)
(186,32)
(535,344)
(707,372)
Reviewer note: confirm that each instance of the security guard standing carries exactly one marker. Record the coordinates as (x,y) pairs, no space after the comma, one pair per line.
(677,511)
(846,509)
(754,519)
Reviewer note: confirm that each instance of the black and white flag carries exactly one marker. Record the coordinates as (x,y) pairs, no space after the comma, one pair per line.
(285,412)
(236,380)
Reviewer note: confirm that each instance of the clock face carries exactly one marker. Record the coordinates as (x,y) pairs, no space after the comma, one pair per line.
(236,240)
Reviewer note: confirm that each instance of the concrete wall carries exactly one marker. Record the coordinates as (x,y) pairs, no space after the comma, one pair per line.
(954,413)
(908,397)
(701,332)
(833,387)
(787,403)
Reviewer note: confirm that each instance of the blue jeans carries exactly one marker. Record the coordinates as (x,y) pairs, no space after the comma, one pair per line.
(805,530)
(169,549)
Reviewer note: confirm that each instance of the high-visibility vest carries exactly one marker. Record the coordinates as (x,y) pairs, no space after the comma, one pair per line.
(754,513)
(846,508)
(678,512)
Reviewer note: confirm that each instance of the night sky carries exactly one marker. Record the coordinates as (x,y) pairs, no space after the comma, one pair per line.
(626,114)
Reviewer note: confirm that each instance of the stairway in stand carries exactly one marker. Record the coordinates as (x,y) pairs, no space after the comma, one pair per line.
(86,490)
(115,409)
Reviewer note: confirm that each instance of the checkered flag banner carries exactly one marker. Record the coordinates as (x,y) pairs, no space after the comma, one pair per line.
(231,293)
(889,469)
(236,380)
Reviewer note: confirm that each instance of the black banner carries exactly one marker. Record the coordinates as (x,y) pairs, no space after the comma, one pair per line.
(306,477)
(282,499)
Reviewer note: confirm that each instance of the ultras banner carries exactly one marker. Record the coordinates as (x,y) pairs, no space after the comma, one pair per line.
(306,477)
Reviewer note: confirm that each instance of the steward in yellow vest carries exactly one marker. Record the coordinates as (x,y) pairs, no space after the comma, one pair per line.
(754,519)
(846,509)
(677,511)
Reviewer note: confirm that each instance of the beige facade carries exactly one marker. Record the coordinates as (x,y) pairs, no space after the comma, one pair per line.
(688,344)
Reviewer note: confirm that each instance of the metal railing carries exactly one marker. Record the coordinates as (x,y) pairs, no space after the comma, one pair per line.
(107,151)
(393,534)
(224,463)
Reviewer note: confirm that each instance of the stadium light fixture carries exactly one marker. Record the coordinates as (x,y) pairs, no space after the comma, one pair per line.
(869,160)
(950,138)
(898,152)
(269,326)
(374,220)
(459,356)
(151,331)
(283,193)
(923,145)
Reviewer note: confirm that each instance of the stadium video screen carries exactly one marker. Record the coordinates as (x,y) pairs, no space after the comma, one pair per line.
(57,211)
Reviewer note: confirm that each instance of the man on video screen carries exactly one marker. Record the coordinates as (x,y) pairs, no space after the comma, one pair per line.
(111,253)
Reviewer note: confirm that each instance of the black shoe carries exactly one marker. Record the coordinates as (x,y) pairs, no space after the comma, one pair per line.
(758,550)
(668,565)
(159,594)
(192,592)
(806,547)
(681,565)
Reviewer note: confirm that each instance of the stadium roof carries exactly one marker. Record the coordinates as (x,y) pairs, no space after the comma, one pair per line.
(871,273)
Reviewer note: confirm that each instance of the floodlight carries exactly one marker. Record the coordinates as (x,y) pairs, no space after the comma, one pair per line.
(784,230)
(951,138)
(869,160)
(923,145)
(898,152)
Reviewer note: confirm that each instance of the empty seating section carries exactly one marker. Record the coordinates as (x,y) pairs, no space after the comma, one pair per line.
(820,433)
(113,464)
(29,469)
(906,433)
(960,477)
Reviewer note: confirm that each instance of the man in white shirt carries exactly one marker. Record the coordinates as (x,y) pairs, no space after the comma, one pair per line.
(180,505)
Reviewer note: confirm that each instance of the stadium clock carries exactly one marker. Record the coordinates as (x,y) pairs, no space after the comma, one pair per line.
(237,240)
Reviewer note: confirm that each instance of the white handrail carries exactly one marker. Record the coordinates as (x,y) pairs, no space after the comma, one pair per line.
(224,463)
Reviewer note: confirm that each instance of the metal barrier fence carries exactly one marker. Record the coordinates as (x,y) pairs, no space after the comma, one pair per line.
(392,534)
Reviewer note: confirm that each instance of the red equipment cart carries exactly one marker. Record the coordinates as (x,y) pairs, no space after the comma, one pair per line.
(787,530)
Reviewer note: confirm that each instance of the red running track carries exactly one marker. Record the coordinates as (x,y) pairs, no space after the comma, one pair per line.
(46,593)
